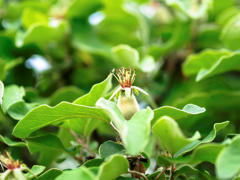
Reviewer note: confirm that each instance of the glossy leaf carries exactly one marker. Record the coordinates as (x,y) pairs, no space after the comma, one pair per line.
(209,138)
(44,115)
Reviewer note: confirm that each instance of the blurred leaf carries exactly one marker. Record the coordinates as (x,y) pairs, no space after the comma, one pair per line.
(193,8)
(118,165)
(179,38)
(79,173)
(204,60)
(85,38)
(30,17)
(166,131)
(231,33)
(50,174)
(109,148)
(175,113)
(44,115)
(224,64)
(42,34)
(126,56)
(1,91)
(82,8)
(228,161)
(5,66)
(211,136)
(12,95)
(69,94)
(11,143)
(97,91)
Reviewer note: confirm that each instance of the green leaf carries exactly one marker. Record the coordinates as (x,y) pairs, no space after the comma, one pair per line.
(49,147)
(79,173)
(180,36)
(113,113)
(175,113)
(19,109)
(31,16)
(50,174)
(209,138)
(228,161)
(118,165)
(203,60)
(35,170)
(97,91)
(190,171)
(44,115)
(6,65)
(12,95)
(1,91)
(224,64)
(93,163)
(82,8)
(206,153)
(69,94)
(109,148)
(194,9)
(126,56)
(231,33)
(136,133)
(11,143)
(41,34)
(167,131)
(85,38)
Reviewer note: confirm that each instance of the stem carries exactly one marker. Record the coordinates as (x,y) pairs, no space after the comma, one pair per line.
(138,173)
(160,174)
(172,172)
(113,126)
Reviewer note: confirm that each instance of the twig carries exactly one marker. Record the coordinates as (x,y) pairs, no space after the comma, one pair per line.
(138,173)
(160,174)
(76,137)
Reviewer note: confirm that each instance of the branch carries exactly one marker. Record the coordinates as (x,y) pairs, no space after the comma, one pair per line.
(138,173)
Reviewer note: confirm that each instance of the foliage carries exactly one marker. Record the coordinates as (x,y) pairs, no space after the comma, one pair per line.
(62,111)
